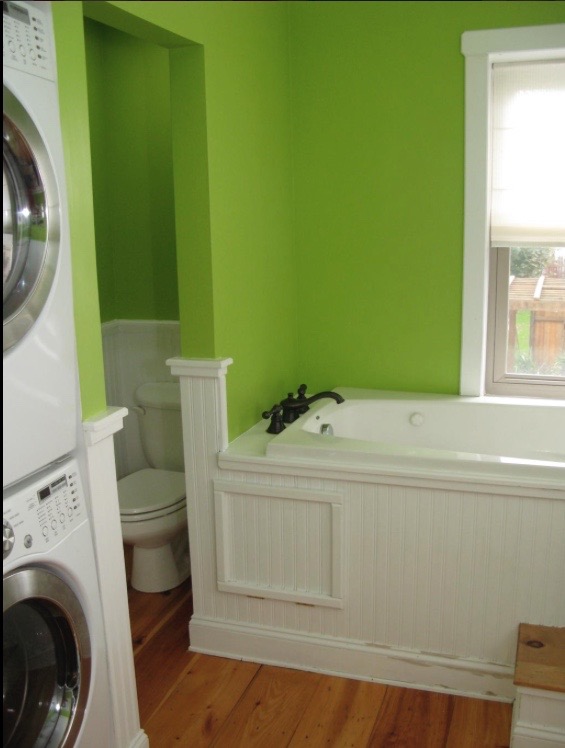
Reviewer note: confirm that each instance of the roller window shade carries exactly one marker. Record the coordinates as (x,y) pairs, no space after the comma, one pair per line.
(528,154)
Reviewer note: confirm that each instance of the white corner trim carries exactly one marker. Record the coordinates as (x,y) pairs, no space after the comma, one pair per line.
(103,425)
(201,368)
(100,472)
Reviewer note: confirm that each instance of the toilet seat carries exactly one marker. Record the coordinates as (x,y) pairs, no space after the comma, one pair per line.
(151,493)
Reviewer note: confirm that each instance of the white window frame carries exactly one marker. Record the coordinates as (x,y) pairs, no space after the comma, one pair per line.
(481,49)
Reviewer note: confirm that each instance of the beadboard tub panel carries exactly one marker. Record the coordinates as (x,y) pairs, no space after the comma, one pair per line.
(445,572)
(282,544)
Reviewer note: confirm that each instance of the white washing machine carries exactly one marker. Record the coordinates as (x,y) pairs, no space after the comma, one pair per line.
(56,691)
(41,405)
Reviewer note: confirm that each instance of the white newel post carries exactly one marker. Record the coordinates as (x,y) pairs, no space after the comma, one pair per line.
(205,433)
(100,473)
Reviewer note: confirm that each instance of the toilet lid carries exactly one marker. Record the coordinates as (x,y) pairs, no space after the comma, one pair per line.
(150,490)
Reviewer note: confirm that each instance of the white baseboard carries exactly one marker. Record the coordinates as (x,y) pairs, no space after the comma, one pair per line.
(535,737)
(538,719)
(352,660)
(140,741)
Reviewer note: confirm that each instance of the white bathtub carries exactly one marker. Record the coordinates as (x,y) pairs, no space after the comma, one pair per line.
(490,435)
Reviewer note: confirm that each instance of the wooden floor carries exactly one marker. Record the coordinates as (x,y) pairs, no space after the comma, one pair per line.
(193,700)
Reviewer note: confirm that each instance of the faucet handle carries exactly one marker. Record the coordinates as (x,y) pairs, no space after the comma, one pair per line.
(290,411)
(276,416)
(301,395)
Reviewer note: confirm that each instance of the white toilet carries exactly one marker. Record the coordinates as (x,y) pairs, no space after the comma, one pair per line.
(153,500)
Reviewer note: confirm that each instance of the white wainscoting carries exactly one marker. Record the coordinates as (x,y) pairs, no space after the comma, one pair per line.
(432,577)
(135,351)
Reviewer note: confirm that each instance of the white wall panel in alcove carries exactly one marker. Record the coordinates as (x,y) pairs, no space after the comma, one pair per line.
(135,352)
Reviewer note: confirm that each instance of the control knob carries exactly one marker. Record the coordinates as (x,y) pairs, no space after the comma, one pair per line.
(8,539)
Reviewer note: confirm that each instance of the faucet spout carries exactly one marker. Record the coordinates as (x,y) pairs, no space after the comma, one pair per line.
(292,406)
(322,395)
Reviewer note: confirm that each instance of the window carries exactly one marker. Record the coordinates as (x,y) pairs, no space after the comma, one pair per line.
(514,273)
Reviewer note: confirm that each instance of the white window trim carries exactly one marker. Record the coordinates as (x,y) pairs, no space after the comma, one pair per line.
(481,49)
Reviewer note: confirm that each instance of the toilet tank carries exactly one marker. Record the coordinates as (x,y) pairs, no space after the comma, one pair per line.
(161,425)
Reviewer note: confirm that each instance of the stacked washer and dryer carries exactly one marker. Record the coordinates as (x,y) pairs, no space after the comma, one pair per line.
(55,684)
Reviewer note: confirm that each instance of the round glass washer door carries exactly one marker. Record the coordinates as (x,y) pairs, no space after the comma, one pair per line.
(30,222)
(46,661)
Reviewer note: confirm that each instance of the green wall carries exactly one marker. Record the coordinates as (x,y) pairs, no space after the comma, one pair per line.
(378,146)
(132,168)
(232,192)
(73,104)
(318,179)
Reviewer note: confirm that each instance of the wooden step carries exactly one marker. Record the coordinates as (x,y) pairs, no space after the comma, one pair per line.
(540,659)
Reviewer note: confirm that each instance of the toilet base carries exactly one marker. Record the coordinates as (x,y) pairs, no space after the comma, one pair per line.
(160,569)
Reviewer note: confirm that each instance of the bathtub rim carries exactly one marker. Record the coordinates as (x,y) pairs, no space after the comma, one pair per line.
(309,440)
(264,452)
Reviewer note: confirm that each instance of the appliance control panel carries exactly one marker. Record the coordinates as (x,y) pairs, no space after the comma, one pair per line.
(27,39)
(41,512)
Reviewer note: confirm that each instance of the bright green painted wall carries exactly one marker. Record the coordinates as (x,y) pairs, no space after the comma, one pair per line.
(130,129)
(378,147)
(319,226)
(71,64)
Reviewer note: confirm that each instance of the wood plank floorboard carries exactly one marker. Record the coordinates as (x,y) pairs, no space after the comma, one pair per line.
(476,722)
(189,700)
(200,703)
(162,662)
(411,717)
(341,712)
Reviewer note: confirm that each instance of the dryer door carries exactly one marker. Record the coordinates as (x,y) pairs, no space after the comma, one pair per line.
(29,222)
(47,663)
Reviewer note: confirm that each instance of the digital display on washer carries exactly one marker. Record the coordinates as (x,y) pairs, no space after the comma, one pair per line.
(52,488)
(13,10)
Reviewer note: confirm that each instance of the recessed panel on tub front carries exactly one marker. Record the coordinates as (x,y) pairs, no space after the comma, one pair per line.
(279,543)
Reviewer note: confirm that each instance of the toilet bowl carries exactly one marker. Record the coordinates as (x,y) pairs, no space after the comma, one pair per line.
(153,518)
(153,500)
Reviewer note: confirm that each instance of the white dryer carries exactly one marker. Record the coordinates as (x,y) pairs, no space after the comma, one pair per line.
(56,692)
(41,405)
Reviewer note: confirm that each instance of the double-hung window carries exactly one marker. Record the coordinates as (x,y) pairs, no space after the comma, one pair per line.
(514,272)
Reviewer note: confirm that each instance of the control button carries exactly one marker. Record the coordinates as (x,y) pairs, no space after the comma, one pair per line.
(8,539)
(28,541)
(70,511)
(54,524)
(45,531)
